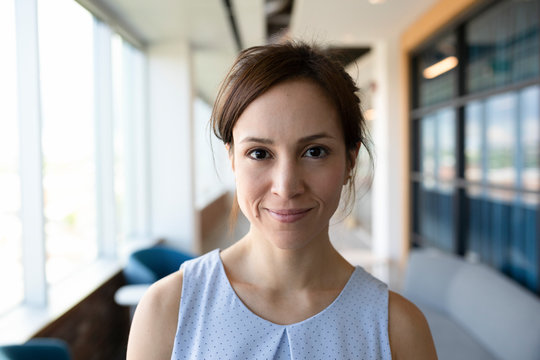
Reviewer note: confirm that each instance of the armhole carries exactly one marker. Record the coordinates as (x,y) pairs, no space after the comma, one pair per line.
(183,277)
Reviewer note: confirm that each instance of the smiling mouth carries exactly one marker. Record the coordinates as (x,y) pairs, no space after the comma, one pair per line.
(288,215)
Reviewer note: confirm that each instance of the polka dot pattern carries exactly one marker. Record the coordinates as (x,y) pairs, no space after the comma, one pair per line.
(213,322)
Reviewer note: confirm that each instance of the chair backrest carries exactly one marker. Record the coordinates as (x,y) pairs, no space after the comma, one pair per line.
(42,349)
(146,266)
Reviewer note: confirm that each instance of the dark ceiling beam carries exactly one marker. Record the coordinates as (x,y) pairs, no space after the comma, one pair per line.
(234,25)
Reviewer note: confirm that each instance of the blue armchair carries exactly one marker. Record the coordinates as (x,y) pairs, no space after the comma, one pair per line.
(42,349)
(146,266)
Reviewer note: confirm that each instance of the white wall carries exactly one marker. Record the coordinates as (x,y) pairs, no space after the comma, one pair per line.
(389,187)
(213,171)
(171,144)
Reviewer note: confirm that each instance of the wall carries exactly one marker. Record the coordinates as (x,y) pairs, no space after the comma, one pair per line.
(171,143)
(389,185)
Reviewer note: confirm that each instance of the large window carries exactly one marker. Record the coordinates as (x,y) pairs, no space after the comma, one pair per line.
(67,99)
(129,141)
(476,136)
(11,276)
(73,146)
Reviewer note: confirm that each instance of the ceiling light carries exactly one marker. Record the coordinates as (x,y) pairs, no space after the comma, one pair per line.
(440,67)
(376,2)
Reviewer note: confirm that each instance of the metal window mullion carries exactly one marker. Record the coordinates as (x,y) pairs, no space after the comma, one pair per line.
(518,146)
(31,162)
(104,141)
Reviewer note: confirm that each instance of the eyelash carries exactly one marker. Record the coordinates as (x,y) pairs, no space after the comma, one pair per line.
(325,152)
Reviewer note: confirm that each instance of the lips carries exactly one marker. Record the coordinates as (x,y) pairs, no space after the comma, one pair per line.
(288,215)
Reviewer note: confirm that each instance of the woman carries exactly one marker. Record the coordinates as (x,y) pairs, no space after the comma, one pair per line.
(290,119)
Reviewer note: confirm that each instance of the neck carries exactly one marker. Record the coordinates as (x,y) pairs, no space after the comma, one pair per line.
(315,265)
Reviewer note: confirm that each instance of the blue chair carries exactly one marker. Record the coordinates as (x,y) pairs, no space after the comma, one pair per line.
(41,348)
(146,266)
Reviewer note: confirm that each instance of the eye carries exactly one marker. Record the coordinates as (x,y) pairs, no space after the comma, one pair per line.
(259,154)
(316,152)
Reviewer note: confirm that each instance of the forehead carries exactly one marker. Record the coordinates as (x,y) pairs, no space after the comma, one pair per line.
(292,109)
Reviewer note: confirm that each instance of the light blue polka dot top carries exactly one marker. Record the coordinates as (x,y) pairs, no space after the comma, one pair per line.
(213,323)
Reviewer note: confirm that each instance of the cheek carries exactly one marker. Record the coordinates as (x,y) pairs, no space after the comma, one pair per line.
(329,184)
(249,187)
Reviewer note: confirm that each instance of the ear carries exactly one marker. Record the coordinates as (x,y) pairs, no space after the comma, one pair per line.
(229,149)
(352,156)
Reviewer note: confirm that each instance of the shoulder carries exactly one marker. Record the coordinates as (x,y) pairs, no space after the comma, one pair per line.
(154,324)
(410,337)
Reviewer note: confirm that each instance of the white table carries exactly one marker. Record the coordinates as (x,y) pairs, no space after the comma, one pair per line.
(130,295)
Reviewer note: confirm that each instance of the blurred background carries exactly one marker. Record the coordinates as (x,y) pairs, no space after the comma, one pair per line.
(105,147)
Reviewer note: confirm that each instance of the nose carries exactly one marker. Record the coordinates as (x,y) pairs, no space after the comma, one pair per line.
(288,179)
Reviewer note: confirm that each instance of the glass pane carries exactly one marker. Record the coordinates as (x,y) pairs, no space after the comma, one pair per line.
(438,149)
(67,73)
(504,235)
(503,45)
(435,217)
(11,276)
(474,141)
(427,152)
(501,116)
(120,100)
(530,138)
(129,146)
(446,138)
(436,67)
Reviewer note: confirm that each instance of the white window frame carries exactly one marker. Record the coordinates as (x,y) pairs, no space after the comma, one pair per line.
(104,141)
(31,173)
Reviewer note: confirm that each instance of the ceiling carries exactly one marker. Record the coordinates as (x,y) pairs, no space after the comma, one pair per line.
(207,26)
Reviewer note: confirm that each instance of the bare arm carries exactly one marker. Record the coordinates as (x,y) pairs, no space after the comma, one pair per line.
(154,325)
(410,337)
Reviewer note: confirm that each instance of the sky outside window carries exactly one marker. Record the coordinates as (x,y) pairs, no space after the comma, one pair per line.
(11,281)
(67,90)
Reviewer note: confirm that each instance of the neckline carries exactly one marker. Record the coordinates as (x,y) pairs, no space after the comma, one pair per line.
(259,318)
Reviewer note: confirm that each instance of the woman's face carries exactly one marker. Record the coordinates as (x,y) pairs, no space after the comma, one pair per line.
(290,163)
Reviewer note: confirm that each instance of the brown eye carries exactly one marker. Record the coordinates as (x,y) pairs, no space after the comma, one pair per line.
(316,152)
(259,154)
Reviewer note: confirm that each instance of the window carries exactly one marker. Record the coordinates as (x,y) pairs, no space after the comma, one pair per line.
(51,143)
(129,141)
(502,228)
(503,45)
(11,275)
(435,69)
(68,142)
(435,192)
(476,140)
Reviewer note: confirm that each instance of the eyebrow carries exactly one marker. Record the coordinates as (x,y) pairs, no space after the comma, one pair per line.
(302,140)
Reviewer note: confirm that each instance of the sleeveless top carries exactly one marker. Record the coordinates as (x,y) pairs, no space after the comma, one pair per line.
(213,323)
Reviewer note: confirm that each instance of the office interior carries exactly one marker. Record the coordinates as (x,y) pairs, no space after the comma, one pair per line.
(105,149)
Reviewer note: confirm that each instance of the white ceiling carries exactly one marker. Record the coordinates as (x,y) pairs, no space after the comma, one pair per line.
(354,22)
(205,24)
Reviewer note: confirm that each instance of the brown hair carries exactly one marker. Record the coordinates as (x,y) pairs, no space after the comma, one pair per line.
(259,68)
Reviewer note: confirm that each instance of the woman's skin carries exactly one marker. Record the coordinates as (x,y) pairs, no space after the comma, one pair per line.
(290,164)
